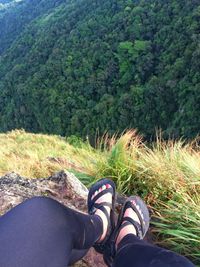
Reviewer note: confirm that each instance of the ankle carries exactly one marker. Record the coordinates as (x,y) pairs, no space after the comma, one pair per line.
(126,240)
(127,230)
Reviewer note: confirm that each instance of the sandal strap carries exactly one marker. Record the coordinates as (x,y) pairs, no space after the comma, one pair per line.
(101,206)
(100,194)
(141,225)
(141,210)
(123,225)
(136,225)
(108,187)
(104,210)
(97,205)
(128,219)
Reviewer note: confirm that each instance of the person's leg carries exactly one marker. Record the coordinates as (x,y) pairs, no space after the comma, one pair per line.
(42,232)
(133,252)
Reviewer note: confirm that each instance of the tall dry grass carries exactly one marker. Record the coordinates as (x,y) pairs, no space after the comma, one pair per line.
(166,174)
(32,155)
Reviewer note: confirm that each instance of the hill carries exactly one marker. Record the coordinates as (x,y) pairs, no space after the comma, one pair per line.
(83,66)
(16,15)
(166,175)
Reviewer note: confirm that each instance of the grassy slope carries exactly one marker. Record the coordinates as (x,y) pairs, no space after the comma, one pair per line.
(167,175)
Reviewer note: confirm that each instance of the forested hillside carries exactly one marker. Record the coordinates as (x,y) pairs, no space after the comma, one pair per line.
(75,67)
(17,15)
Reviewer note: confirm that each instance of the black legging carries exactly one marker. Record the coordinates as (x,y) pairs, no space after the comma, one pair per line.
(41,232)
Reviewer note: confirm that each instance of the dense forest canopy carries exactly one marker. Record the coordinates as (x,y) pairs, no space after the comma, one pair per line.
(77,67)
(18,15)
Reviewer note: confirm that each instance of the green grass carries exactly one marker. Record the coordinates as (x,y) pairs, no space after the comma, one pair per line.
(178,226)
(166,175)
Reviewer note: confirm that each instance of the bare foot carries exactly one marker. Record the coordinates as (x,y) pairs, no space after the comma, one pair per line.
(129,229)
(105,198)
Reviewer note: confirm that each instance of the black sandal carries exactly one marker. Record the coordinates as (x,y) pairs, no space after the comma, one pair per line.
(140,208)
(92,207)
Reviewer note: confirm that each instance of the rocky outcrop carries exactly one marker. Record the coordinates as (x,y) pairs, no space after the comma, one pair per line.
(63,186)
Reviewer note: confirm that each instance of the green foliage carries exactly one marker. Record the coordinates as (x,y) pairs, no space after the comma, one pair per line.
(178,226)
(84,67)
(129,54)
(75,141)
(165,174)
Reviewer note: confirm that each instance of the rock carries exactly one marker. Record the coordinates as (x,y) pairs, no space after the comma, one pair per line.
(62,186)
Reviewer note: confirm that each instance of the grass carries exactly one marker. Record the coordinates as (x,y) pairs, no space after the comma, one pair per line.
(166,175)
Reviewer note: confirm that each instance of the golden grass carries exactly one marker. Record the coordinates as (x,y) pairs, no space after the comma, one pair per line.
(33,155)
(166,175)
